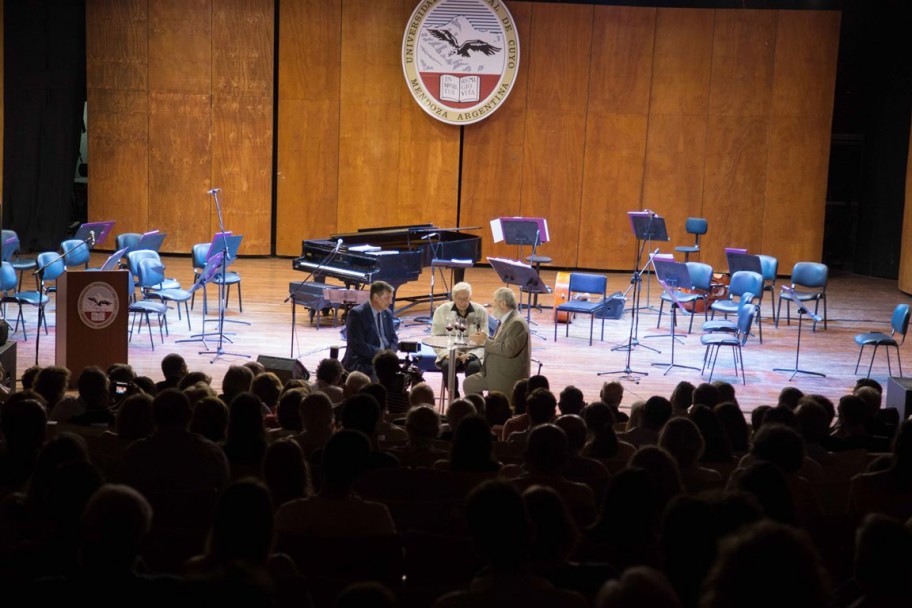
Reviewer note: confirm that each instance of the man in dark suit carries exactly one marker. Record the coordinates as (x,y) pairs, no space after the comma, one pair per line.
(369,329)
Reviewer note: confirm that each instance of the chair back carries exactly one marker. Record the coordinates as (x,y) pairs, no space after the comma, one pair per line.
(745,320)
(583,282)
(8,280)
(810,274)
(696,226)
(150,273)
(745,281)
(700,275)
(75,253)
(54,270)
(900,320)
(135,257)
(128,239)
(770,267)
(199,252)
(12,248)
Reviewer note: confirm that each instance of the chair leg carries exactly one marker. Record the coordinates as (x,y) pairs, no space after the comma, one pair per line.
(240,299)
(591,326)
(871,365)
(187,310)
(857,363)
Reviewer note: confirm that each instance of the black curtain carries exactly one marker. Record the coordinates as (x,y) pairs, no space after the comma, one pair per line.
(44,92)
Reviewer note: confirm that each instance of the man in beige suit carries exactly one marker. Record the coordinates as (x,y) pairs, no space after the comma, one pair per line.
(507,353)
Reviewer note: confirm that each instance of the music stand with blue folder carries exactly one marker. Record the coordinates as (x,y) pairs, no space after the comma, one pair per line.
(672,276)
(209,272)
(101,230)
(222,242)
(151,241)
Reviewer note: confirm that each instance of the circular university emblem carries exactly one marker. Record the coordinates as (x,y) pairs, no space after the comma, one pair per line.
(98,305)
(460,58)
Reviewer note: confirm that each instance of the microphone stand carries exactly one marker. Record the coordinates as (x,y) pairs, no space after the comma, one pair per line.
(429,320)
(219,350)
(88,242)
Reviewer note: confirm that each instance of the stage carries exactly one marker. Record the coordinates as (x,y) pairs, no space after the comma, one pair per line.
(855,304)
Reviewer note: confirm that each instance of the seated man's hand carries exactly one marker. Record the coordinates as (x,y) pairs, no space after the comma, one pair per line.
(478,339)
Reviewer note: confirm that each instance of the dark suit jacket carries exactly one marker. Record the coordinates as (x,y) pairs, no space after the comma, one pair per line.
(363,341)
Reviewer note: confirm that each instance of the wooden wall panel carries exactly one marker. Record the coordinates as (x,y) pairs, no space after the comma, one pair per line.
(179,166)
(117,45)
(620,68)
(371,85)
(429,167)
(737,128)
(733,190)
(620,76)
(307,180)
(242,119)
(117,55)
(556,123)
(799,137)
(180,45)
(492,153)
(676,139)
(241,158)
(905,261)
(681,63)
(119,159)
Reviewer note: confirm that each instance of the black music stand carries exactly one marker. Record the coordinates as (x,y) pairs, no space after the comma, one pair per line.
(672,275)
(647,226)
(100,229)
(523,276)
(738,260)
(802,310)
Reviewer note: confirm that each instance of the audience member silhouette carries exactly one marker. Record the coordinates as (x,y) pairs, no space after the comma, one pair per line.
(237,379)
(638,586)
(286,472)
(541,407)
(611,394)
(174,368)
(682,439)
(471,448)
(210,419)
(718,448)
(455,412)
(328,376)
(23,423)
(498,523)
(497,408)
(888,491)
(781,557)
(317,422)
(51,383)
(682,397)
(335,511)
(245,442)
(361,412)
(732,419)
(656,412)
(571,400)
(173,460)
(422,424)
(287,411)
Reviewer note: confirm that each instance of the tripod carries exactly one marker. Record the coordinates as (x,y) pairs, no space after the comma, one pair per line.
(802,310)
(675,305)
(219,349)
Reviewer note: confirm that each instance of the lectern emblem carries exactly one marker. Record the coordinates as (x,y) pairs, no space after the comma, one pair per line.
(97,305)
(460,58)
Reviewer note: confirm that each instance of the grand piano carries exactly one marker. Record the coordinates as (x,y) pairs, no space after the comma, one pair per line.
(394,254)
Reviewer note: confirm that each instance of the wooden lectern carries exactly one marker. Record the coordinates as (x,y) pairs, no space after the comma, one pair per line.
(92,313)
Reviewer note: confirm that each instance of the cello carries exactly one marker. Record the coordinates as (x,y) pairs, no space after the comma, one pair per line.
(561,295)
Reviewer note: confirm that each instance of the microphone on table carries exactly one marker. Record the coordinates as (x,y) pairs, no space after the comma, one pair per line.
(91,238)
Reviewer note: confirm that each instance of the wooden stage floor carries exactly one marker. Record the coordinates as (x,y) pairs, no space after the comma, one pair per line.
(856,304)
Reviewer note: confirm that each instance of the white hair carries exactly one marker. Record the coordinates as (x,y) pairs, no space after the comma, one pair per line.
(461,287)
(505,295)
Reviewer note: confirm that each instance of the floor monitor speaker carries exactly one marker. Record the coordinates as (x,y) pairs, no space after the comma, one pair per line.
(284,368)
